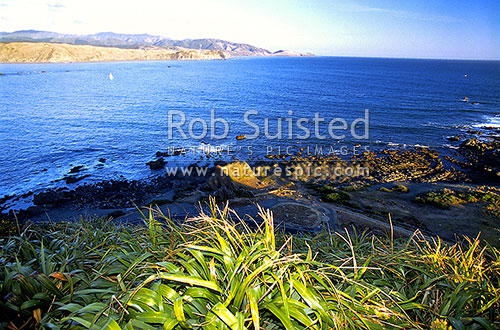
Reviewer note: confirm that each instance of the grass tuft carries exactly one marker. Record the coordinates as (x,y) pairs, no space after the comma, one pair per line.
(215,272)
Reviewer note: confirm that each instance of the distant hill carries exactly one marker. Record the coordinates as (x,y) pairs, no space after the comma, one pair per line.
(133,41)
(290,53)
(29,52)
(235,49)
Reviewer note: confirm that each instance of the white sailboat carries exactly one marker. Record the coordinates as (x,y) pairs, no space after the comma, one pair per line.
(111,76)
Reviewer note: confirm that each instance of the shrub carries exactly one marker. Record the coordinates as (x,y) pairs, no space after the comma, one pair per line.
(399,188)
(446,197)
(7,228)
(325,189)
(351,188)
(338,197)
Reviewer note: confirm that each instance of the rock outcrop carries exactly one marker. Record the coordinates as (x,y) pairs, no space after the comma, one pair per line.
(482,155)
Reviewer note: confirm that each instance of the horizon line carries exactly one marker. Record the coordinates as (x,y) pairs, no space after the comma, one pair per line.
(299,51)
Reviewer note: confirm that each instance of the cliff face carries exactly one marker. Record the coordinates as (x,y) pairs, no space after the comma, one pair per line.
(26,52)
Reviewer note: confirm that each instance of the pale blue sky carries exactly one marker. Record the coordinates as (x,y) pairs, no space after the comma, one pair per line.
(382,28)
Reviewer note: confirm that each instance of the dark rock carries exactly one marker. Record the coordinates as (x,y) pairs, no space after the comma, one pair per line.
(223,194)
(220,163)
(112,194)
(102,160)
(73,178)
(33,210)
(50,197)
(483,156)
(28,194)
(173,152)
(162,154)
(157,164)
(454,138)
(76,169)
(6,198)
(469,143)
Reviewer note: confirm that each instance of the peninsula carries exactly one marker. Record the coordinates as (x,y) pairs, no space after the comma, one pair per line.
(31,46)
(28,52)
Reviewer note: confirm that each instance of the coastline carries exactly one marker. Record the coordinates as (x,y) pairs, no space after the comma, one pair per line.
(33,52)
(345,200)
(459,157)
(47,53)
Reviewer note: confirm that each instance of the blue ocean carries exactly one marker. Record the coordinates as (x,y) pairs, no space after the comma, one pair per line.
(111,118)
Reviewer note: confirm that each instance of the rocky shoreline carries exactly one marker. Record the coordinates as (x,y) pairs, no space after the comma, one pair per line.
(477,163)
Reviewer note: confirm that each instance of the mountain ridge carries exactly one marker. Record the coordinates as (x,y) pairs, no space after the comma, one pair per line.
(133,41)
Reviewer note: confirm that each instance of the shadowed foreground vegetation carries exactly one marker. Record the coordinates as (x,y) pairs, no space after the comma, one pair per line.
(215,273)
(447,197)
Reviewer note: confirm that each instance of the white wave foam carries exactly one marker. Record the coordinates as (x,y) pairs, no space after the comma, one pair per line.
(491,122)
(403,145)
(447,145)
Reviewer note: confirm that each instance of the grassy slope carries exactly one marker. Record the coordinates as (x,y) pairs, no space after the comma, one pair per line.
(213,274)
(25,52)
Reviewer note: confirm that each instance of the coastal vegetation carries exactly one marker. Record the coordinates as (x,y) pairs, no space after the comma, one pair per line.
(398,188)
(216,272)
(445,198)
(331,194)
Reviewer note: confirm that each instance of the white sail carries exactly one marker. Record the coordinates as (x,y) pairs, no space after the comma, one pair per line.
(111,76)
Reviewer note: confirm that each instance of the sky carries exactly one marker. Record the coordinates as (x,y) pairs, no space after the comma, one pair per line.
(461,29)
